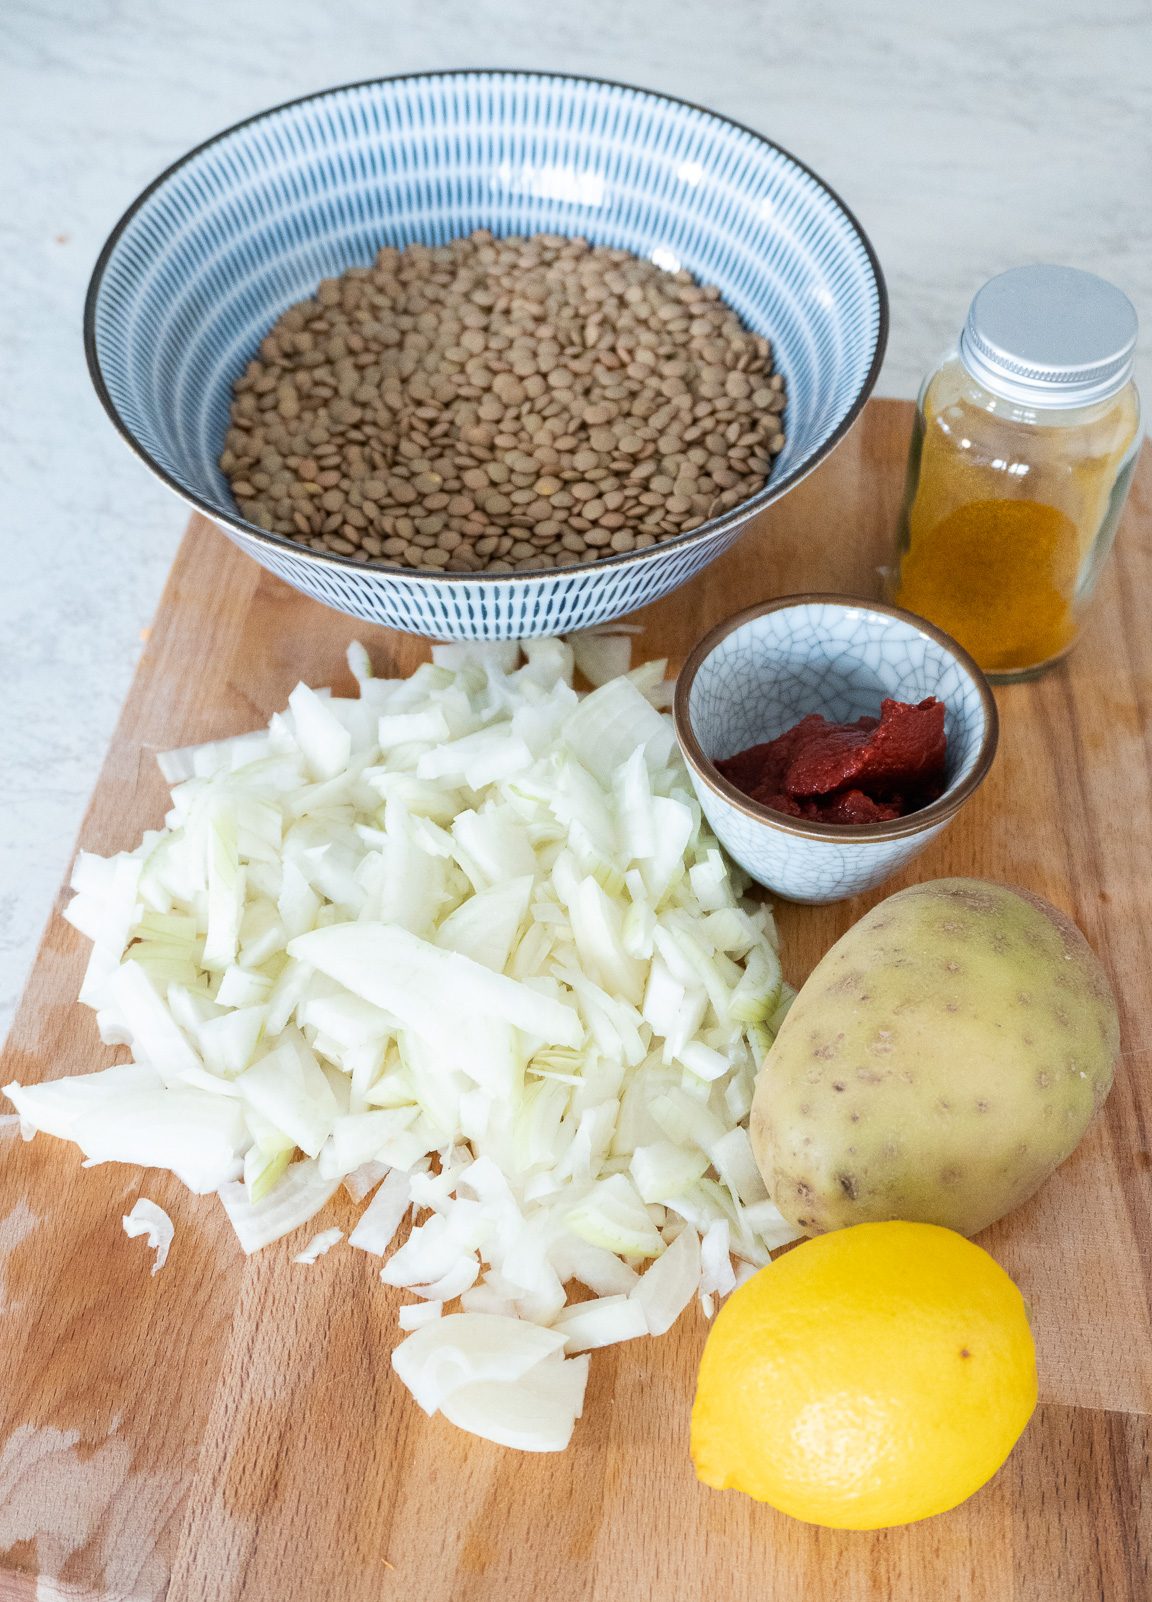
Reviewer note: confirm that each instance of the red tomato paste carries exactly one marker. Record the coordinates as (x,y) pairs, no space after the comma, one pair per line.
(869,771)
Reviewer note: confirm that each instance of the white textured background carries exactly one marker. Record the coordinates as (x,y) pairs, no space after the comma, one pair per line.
(967,139)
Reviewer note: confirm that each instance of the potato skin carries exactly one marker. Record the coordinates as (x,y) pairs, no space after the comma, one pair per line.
(945,1056)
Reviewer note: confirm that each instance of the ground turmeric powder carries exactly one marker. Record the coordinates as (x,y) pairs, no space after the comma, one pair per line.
(1000,577)
(1008,516)
(1025,443)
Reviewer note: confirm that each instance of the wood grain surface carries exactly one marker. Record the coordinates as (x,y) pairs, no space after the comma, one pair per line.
(230,1431)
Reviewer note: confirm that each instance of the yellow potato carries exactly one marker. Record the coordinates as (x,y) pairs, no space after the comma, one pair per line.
(944,1057)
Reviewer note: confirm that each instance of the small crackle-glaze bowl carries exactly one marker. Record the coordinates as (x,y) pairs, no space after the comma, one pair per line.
(760,672)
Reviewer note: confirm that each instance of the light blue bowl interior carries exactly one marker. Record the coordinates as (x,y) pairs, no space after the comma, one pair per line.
(250,223)
(767,674)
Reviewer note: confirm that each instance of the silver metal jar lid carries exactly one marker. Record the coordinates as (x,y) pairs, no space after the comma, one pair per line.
(1050,336)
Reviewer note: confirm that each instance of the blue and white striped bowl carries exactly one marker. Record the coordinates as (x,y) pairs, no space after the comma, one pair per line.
(221,244)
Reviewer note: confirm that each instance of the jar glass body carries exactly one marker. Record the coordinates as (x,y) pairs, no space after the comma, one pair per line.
(1009,512)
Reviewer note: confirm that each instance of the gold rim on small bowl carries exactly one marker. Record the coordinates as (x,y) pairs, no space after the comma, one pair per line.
(936,812)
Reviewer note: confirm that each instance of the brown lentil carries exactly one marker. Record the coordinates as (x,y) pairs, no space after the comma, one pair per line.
(531,402)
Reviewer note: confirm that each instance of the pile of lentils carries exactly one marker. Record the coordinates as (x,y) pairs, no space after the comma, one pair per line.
(493,404)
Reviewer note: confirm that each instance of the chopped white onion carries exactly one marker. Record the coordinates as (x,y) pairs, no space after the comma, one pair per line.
(466,943)
(602,1322)
(670,1283)
(362,1181)
(428,990)
(294,1201)
(535,1413)
(153,1222)
(414,1315)
(318,1245)
(383,1215)
(601,655)
(744,1272)
(466,1347)
(716,1276)
(126,1114)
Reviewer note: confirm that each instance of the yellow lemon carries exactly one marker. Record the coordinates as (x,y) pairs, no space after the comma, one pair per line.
(869,1377)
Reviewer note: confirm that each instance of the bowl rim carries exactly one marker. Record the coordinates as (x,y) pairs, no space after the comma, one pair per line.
(936,812)
(729,522)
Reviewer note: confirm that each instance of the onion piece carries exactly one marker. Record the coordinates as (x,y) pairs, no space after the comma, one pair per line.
(609,724)
(265,1165)
(151,1031)
(613,1216)
(318,1245)
(536,1413)
(288,1087)
(57,1106)
(384,1214)
(716,1274)
(414,1315)
(734,1162)
(464,1348)
(153,1222)
(666,1288)
(296,1200)
(664,1169)
(602,1322)
(601,656)
(362,1181)
(324,741)
(428,988)
(126,1115)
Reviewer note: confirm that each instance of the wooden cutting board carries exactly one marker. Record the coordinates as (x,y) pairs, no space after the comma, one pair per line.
(231,1429)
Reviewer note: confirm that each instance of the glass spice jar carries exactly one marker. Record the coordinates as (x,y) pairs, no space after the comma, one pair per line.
(1025,440)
